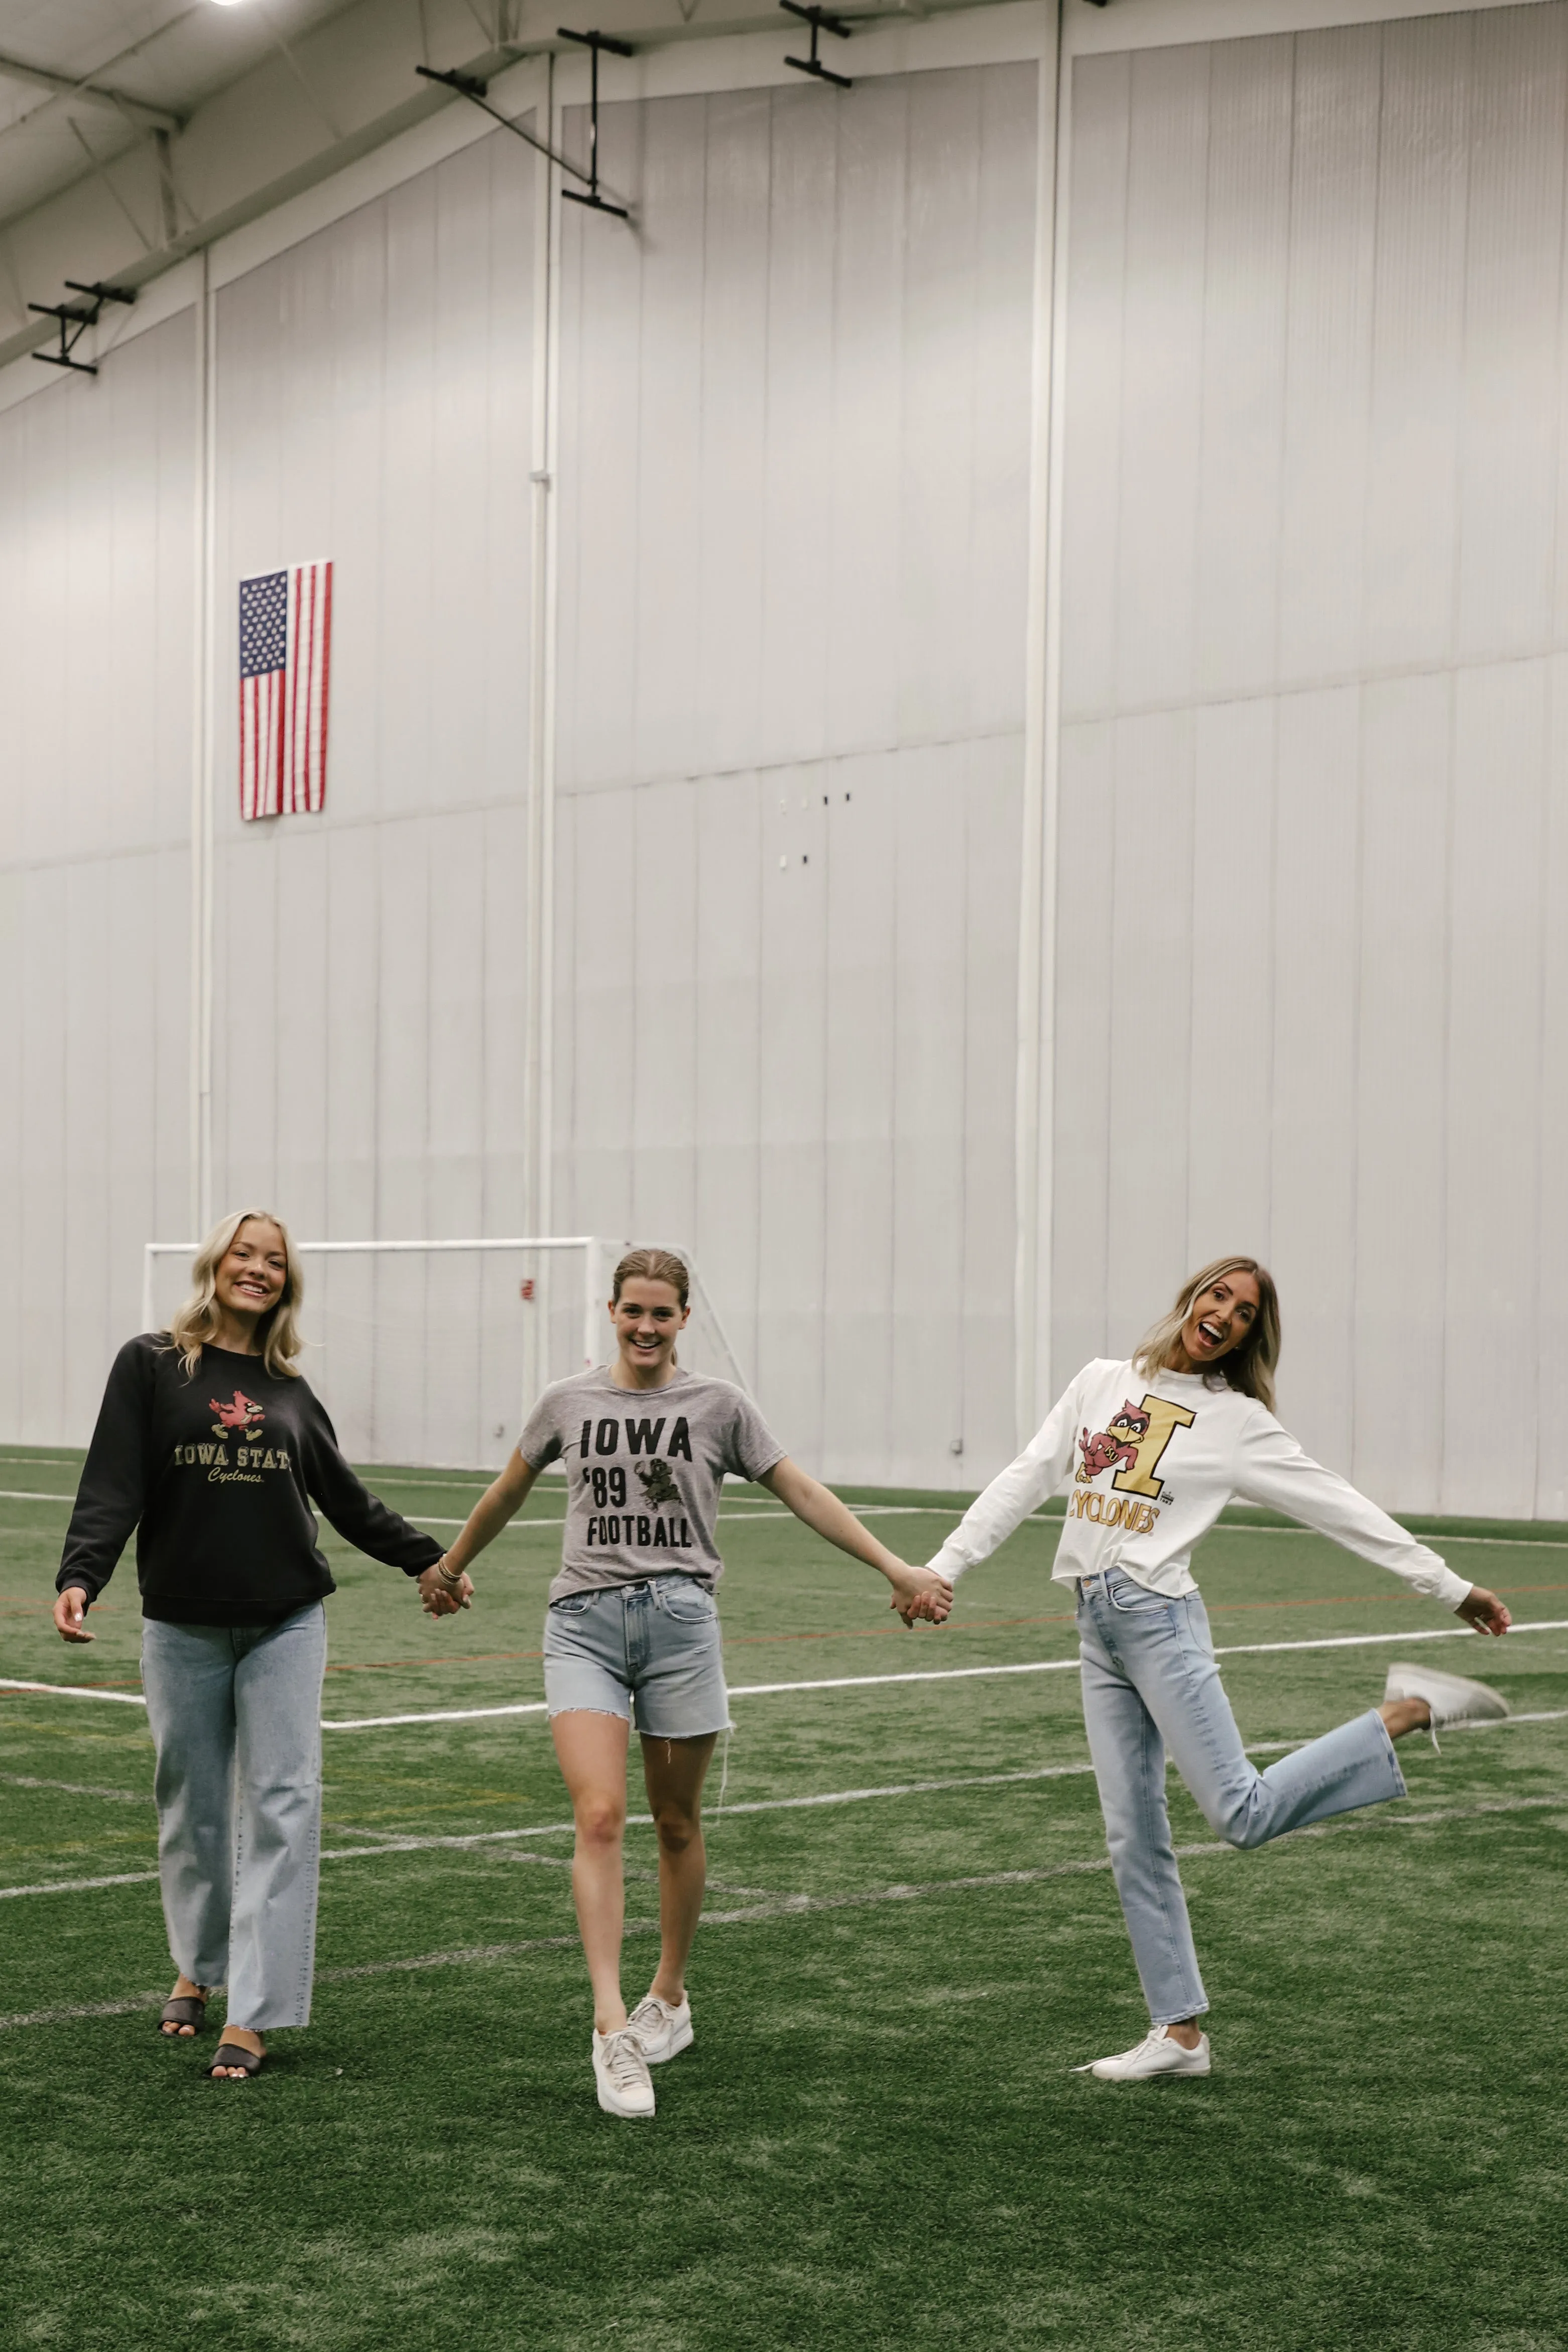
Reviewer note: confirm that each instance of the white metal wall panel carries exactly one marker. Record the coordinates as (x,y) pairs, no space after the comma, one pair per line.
(1512,401)
(1246,278)
(1551,1367)
(97,480)
(1411,514)
(793,476)
(1400,1140)
(1314,404)
(374,390)
(1149,843)
(1312,1209)
(1162,398)
(1501,733)
(1334,214)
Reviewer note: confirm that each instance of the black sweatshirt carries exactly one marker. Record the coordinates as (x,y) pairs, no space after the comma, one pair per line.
(214,1473)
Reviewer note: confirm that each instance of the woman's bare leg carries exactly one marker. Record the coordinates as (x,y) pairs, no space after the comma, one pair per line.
(674,1771)
(592,1749)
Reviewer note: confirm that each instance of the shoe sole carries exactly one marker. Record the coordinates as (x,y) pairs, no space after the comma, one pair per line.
(681,2038)
(1156,2075)
(1164,2075)
(627,2115)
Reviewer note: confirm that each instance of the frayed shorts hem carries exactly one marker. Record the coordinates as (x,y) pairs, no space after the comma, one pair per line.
(649,1654)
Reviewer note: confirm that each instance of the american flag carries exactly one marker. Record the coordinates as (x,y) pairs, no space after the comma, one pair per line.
(284,667)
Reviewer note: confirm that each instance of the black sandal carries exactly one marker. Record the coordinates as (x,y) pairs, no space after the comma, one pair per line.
(232,2053)
(185,2009)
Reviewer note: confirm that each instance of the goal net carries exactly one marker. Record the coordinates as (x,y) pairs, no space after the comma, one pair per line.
(431,1353)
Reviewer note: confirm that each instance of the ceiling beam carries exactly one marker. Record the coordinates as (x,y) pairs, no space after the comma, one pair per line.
(88,93)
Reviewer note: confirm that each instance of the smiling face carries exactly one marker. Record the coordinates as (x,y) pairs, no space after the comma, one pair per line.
(251,1271)
(648,1318)
(1219,1320)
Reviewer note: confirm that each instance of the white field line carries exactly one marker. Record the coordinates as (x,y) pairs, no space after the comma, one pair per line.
(404,1842)
(953,1673)
(77,1789)
(74,1690)
(390,1842)
(743,1511)
(845,1681)
(790,1906)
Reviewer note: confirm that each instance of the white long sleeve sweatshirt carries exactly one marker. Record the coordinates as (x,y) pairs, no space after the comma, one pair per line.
(1155,1462)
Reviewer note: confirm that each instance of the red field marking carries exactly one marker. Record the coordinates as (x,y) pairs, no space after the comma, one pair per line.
(473,1658)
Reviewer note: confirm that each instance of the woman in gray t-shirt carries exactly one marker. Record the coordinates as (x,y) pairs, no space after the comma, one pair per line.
(632,1625)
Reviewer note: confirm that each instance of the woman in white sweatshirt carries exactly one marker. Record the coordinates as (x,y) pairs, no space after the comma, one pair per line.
(1158,1446)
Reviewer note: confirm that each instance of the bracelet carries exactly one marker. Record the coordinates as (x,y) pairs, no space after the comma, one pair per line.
(449,1576)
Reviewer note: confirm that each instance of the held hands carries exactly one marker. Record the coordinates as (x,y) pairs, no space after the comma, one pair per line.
(920,1592)
(70,1608)
(1484,1611)
(443,1593)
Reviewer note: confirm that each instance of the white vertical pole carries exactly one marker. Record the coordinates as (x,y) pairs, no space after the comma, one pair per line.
(1034,1106)
(540,853)
(589,1301)
(203,764)
(545,1139)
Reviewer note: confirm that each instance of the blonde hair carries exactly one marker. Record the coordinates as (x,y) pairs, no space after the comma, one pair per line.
(196,1323)
(1248,1367)
(653,1266)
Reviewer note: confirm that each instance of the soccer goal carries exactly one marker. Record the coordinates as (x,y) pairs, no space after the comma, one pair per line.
(430,1352)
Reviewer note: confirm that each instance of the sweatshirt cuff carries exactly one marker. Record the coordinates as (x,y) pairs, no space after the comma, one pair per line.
(1453,1590)
(948,1563)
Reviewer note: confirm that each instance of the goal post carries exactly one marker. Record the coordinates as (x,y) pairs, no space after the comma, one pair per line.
(428,1352)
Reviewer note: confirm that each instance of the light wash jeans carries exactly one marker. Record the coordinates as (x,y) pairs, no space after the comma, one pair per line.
(235,1714)
(1150,1683)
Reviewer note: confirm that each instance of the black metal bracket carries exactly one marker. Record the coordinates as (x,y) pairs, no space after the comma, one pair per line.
(74,319)
(469,86)
(820,21)
(593,43)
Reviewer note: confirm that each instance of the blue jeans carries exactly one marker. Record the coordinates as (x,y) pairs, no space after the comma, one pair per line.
(236,1716)
(1151,1684)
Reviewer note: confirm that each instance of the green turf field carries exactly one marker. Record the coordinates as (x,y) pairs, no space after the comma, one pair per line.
(877,2140)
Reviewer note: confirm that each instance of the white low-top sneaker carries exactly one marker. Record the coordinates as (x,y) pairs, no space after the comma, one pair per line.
(621,2072)
(661,2032)
(1156,2053)
(1453,1699)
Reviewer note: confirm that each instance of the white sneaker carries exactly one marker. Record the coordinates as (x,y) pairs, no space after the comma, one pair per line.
(620,2073)
(1156,2053)
(661,2031)
(1452,1699)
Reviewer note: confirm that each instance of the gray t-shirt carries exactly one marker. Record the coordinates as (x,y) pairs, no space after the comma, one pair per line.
(643,1470)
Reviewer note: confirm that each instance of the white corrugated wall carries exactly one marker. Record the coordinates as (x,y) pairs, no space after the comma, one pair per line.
(1305,970)
(97,611)
(794,465)
(1314,867)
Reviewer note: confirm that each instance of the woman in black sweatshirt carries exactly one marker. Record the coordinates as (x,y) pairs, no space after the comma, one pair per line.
(211,1445)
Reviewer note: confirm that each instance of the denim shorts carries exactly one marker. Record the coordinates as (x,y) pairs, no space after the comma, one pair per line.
(652,1646)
